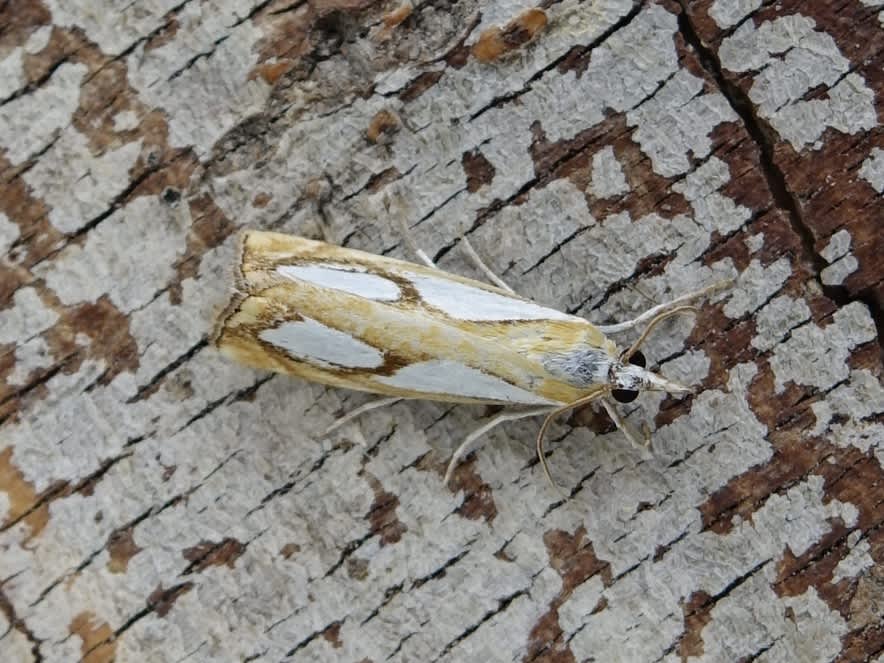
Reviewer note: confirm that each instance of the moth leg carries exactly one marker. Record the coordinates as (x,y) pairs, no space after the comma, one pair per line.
(664,308)
(624,426)
(485,269)
(469,444)
(415,249)
(358,412)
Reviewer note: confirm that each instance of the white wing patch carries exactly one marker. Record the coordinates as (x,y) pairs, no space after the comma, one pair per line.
(345,278)
(313,342)
(443,376)
(464,302)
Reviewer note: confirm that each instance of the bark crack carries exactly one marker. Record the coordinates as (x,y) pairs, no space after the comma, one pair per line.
(764,137)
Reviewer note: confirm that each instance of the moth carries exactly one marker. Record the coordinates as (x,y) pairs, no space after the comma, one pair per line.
(355,320)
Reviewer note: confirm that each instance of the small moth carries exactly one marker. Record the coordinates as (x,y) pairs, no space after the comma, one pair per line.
(355,320)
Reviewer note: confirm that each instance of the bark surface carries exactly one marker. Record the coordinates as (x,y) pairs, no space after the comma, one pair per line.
(158,503)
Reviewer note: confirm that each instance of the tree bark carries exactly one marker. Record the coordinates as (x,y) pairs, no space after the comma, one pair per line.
(158,503)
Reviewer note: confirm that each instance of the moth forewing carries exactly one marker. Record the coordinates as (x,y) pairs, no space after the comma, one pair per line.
(352,319)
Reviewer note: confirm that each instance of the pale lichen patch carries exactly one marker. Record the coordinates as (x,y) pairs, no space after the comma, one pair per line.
(53,104)
(817,356)
(755,285)
(129,256)
(9,232)
(608,179)
(776,319)
(872,169)
(727,13)
(674,126)
(77,185)
(776,50)
(203,83)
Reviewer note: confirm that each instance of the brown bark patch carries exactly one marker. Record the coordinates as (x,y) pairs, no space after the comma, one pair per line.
(697,612)
(208,553)
(271,72)
(21,497)
(495,41)
(121,548)
(161,600)
(395,17)
(357,568)
(478,502)
(323,7)
(108,331)
(19,21)
(333,635)
(379,180)
(383,125)
(261,200)
(419,85)
(289,549)
(37,237)
(382,514)
(98,645)
(574,559)
(478,169)
(209,229)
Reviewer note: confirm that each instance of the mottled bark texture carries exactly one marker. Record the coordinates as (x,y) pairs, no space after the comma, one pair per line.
(160,504)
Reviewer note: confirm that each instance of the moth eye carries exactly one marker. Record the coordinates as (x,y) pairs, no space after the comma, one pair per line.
(624,395)
(638,359)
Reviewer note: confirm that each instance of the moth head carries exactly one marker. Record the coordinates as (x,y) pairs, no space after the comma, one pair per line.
(630,376)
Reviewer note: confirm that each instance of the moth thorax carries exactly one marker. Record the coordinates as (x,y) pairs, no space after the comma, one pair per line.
(581,368)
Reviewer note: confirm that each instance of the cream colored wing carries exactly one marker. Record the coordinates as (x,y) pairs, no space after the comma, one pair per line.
(360,321)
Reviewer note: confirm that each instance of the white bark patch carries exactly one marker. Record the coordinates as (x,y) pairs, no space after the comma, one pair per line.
(856,403)
(727,13)
(709,562)
(9,232)
(855,563)
(203,84)
(115,27)
(608,179)
(12,75)
(755,285)
(512,242)
(778,318)
(755,242)
(29,356)
(872,170)
(712,210)
(777,50)
(842,264)
(76,185)
(346,279)
(128,256)
(817,356)
(126,120)
(26,317)
(443,376)
(838,246)
(314,343)
(674,127)
(464,302)
(28,123)
(838,271)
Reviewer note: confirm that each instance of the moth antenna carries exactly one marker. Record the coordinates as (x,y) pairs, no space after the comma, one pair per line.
(548,420)
(656,320)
